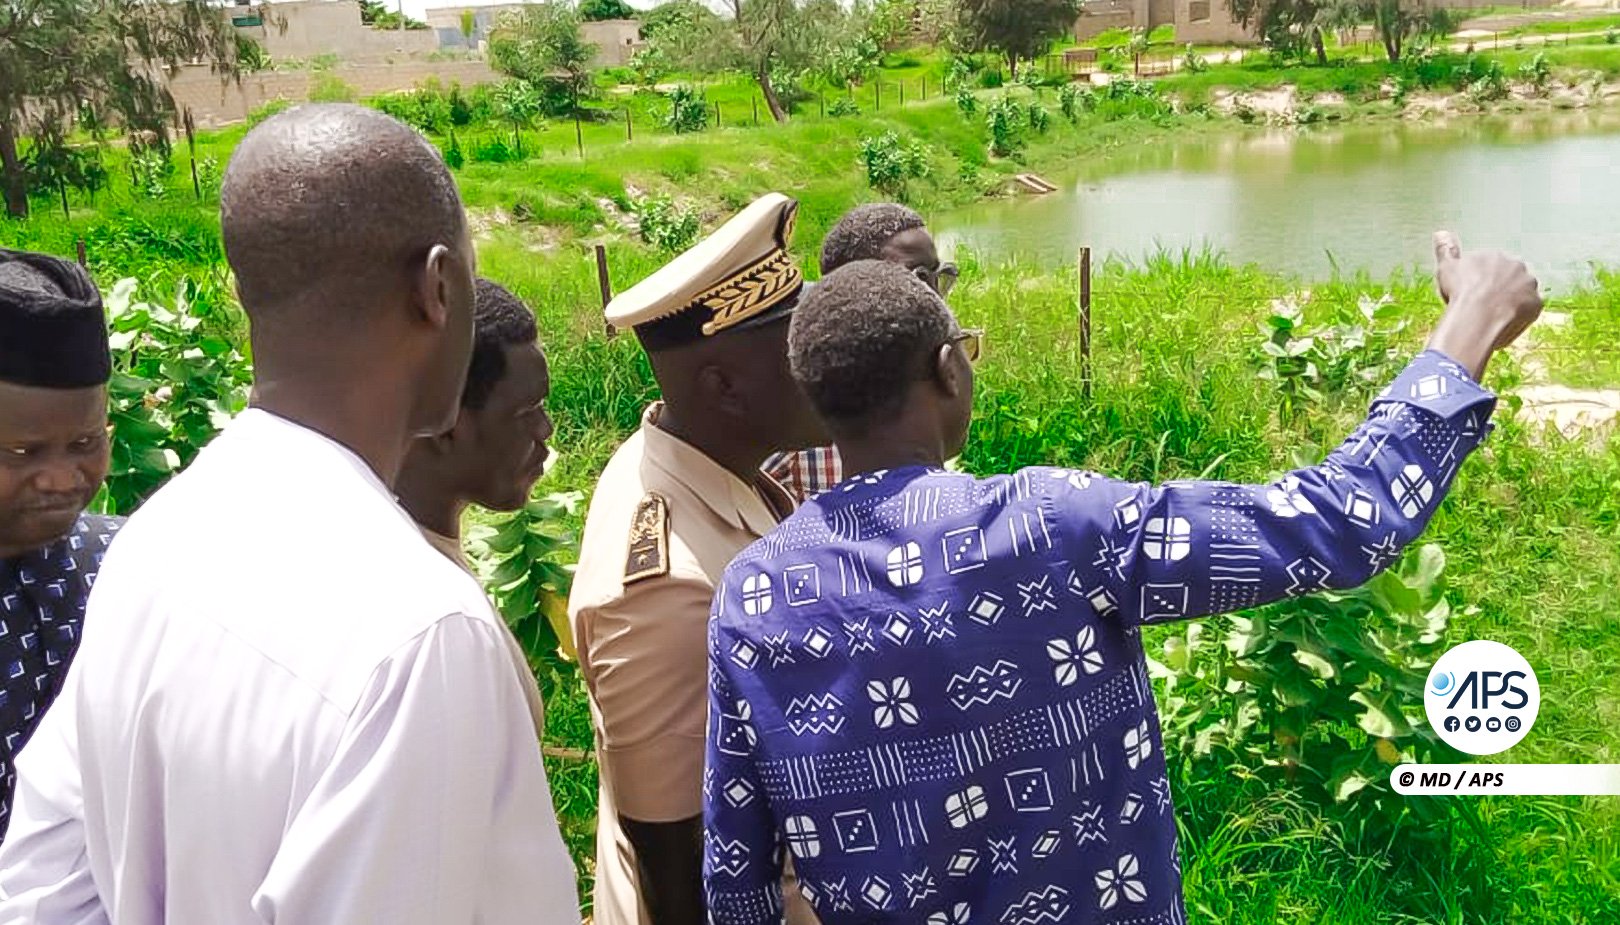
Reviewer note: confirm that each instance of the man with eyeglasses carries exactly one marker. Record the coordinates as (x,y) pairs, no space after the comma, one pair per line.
(875,231)
(929,689)
(54,367)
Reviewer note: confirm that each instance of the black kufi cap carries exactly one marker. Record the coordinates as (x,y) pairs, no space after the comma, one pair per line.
(53,332)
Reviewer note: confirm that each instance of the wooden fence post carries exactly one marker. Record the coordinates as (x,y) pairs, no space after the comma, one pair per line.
(629,125)
(579,133)
(1085,322)
(755,101)
(604,282)
(84,261)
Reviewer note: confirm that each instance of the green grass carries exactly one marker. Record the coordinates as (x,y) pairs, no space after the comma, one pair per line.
(1532,530)
(1558,27)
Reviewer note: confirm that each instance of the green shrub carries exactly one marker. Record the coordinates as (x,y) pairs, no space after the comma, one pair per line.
(1040,119)
(688,111)
(966,103)
(890,165)
(1006,122)
(1193,62)
(1074,99)
(493,151)
(1611,37)
(176,381)
(152,169)
(1536,72)
(329,88)
(991,80)
(666,224)
(843,106)
(453,156)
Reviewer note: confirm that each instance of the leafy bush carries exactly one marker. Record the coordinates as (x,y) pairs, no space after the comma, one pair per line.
(329,88)
(843,106)
(991,79)
(1040,119)
(453,156)
(1307,696)
(1611,37)
(523,560)
(1074,99)
(152,169)
(1006,121)
(666,224)
(1193,62)
(493,151)
(1349,356)
(209,173)
(890,165)
(175,384)
(688,112)
(1536,72)
(966,103)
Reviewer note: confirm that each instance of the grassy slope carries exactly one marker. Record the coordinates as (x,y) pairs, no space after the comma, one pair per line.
(1531,532)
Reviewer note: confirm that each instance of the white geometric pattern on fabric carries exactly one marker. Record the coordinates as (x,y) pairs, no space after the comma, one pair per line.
(984,685)
(964,550)
(803,839)
(1286,500)
(1003,855)
(1138,744)
(1383,552)
(1046,845)
(803,584)
(815,714)
(1164,601)
(860,636)
(1037,596)
(1029,790)
(877,892)
(1412,490)
(1120,880)
(986,609)
(966,807)
(919,886)
(1361,508)
(936,622)
(963,863)
(1038,908)
(817,642)
(1088,824)
(1072,658)
(893,701)
(959,914)
(756,594)
(905,565)
(1167,539)
(856,830)
(1130,809)
(1308,575)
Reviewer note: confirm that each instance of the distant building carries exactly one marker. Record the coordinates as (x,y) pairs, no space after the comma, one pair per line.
(1200,22)
(616,40)
(305,29)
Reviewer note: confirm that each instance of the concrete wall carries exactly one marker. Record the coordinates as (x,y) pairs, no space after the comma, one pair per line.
(616,40)
(213,104)
(1195,21)
(311,28)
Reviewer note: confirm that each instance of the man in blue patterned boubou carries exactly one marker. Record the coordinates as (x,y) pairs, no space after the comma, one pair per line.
(929,689)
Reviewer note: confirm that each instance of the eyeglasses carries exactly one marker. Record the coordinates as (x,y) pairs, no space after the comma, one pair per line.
(941,279)
(971,342)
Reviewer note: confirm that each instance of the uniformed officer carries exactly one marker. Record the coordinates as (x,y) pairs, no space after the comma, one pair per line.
(678,500)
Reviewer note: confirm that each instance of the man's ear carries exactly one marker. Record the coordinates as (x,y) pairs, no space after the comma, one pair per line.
(433,286)
(947,371)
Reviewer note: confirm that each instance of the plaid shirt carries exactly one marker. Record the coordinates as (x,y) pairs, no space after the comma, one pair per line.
(806,473)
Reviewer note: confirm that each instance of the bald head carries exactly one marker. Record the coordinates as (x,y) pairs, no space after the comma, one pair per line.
(327,210)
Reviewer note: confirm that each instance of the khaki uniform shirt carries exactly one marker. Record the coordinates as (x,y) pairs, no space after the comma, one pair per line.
(640,615)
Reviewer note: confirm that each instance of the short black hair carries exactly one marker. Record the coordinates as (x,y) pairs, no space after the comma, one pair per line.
(326,205)
(500,320)
(861,337)
(862,232)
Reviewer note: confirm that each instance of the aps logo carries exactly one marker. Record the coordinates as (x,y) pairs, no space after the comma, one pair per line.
(1482,697)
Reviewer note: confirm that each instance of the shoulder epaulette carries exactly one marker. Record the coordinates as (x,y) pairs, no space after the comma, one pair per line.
(649,540)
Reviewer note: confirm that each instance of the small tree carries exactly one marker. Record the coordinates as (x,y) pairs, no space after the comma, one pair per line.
(1402,22)
(377,16)
(599,10)
(60,59)
(517,103)
(540,43)
(1017,29)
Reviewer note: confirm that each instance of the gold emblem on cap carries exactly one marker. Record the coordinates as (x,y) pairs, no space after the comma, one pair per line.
(738,299)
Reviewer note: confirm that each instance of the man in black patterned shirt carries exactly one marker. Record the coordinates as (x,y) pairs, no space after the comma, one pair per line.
(54,367)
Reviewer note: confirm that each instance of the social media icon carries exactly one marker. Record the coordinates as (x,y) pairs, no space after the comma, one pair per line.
(1512,724)
(1453,724)
(1493,724)
(1471,724)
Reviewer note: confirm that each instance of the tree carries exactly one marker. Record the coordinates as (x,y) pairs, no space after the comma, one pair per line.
(540,44)
(773,41)
(1017,29)
(377,16)
(110,59)
(599,10)
(1294,27)
(1400,22)
(517,104)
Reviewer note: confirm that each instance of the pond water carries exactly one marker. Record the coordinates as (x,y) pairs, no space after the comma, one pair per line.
(1364,197)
